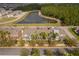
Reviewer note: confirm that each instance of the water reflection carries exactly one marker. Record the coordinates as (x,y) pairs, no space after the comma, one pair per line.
(33,17)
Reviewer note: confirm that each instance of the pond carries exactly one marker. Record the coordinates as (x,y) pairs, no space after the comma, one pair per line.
(33,17)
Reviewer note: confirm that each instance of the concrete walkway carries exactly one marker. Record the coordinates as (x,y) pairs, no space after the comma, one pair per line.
(67,32)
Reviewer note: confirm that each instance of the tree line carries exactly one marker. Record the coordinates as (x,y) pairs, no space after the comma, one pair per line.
(50,52)
(67,13)
(29,7)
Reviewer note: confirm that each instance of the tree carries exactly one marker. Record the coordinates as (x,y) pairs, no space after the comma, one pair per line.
(24,52)
(73,52)
(35,52)
(67,13)
(48,52)
(52,36)
(34,36)
(69,42)
(43,35)
(6,40)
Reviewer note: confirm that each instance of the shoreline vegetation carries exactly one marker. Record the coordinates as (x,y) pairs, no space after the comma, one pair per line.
(67,13)
(49,18)
(25,14)
(46,17)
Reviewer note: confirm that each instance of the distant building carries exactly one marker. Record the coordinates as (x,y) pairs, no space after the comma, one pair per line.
(9,13)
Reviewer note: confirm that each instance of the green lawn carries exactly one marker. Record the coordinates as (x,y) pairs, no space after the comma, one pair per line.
(47,24)
(5,19)
(74,33)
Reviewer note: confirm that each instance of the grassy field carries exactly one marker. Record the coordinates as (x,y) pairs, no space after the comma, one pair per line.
(47,24)
(5,19)
(74,33)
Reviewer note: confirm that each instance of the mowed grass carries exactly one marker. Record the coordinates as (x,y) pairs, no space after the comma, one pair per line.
(35,24)
(46,24)
(74,33)
(6,19)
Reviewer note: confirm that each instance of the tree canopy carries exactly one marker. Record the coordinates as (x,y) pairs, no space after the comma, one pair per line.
(35,52)
(67,13)
(29,7)
(5,39)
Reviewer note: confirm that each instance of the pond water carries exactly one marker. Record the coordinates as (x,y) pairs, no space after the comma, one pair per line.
(33,17)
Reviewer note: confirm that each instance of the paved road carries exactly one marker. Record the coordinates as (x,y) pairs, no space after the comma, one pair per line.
(16,51)
(68,33)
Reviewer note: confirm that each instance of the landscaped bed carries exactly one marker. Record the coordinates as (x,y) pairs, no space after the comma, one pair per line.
(72,30)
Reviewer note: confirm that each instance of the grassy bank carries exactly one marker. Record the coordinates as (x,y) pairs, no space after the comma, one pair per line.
(20,18)
(47,24)
(6,19)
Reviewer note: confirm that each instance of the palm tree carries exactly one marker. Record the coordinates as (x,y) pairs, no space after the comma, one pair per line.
(35,52)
